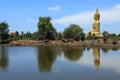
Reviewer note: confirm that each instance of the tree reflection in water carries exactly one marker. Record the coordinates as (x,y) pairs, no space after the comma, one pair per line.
(3,57)
(48,54)
(73,53)
(115,49)
(105,50)
(46,57)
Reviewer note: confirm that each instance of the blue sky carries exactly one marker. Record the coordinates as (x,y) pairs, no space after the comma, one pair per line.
(22,15)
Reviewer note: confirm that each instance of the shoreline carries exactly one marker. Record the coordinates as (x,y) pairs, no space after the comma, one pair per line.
(86,43)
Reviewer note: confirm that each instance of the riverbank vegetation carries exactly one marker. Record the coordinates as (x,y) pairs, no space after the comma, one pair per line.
(47,34)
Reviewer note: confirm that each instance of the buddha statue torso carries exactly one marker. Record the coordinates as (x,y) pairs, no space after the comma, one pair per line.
(96,23)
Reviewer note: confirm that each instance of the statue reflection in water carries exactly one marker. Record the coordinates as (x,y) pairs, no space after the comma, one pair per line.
(96,55)
(3,58)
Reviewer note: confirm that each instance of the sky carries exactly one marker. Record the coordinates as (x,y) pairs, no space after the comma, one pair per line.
(23,15)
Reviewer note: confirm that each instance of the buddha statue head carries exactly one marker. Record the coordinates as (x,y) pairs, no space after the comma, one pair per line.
(97,15)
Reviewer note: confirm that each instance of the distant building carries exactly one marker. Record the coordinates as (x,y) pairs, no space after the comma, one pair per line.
(13,33)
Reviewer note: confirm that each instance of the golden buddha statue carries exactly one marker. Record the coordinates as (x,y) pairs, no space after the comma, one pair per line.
(96,24)
(96,15)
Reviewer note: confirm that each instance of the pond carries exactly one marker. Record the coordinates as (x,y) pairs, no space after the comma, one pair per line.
(59,63)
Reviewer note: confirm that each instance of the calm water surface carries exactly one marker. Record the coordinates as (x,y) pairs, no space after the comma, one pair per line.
(59,63)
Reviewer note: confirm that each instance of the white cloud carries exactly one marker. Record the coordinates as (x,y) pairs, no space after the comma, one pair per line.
(117,6)
(111,15)
(86,18)
(55,8)
(80,18)
(31,21)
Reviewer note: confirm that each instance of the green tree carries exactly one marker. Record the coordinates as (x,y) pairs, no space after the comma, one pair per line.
(46,29)
(17,35)
(28,35)
(105,36)
(4,31)
(22,35)
(119,36)
(105,33)
(89,36)
(73,32)
(34,36)
(113,36)
(58,36)
(82,36)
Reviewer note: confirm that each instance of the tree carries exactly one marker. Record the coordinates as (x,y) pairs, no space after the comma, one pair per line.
(4,31)
(113,36)
(118,35)
(82,36)
(89,36)
(73,32)
(105,36)
(34,36)
(105,33)
(58,36)
(17,35)
(28,35)
(22,35)
(46,29)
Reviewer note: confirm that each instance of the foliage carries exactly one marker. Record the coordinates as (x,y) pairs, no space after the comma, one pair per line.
(82,36)
(105,36)
(73,32)
(46,29)
(105,33)
(118,36)
(58,36)
(14,37)
(113,36)
(17,35)
(4,31)
(89,36)
(34,36)
(27,36)
(22,35)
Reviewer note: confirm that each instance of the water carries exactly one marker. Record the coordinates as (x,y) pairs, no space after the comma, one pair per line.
(59,63)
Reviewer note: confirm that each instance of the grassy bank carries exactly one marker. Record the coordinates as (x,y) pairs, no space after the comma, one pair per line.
(86,43)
